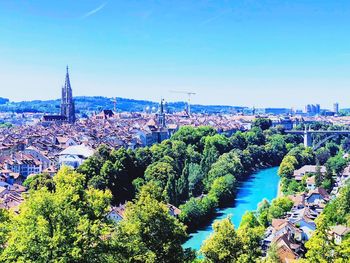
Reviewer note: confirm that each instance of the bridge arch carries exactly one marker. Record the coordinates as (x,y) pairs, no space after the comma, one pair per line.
(308,138)
(320,143)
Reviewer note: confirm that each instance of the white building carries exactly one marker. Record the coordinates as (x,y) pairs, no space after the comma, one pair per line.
(339,232)
(74,155)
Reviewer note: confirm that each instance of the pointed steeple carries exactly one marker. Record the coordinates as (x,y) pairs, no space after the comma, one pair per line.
(161,114)
(67,82)
(67,104)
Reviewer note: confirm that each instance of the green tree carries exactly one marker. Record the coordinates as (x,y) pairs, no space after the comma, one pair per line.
(149,233)
(164,174)
(138,183)
(91,167)
(262,123)
(250,233)
(322,155)
(223,245)
(196,211)
(338,210)
(343,250)
(38,181)
(308,156)
(182,186)
(143,158)
(276,149)
(195,179)
(192,155)
(279,207)
(255,136)
(65,225)
(262,212)
(258,155)
(272,255)
(224,189)
(108,170)
(103,152)
(238,141)
(333,148)
(336,164)
(318,176)
(4,225)
(287,166)
(228,163)
(249,220)
(192,212)
(319,247)
(214,147)
(159,172)
(346,144)
(193,136)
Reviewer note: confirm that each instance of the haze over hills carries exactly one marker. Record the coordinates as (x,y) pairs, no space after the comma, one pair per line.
(89,104)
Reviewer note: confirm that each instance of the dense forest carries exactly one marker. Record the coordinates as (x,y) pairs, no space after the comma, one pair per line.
(64,218)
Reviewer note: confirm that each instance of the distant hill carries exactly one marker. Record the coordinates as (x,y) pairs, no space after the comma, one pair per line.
(86,104)
(3,100)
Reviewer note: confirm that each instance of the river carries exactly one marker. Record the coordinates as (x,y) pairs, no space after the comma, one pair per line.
(260,185)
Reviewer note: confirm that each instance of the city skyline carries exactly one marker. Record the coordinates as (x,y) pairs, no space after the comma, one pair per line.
(283,54)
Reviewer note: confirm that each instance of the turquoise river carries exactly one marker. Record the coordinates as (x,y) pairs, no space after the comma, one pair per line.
(260,185)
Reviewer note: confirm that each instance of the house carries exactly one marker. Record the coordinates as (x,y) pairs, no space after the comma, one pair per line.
(104,115)
(172,128)
(116,213)
(304,220)
(346,174)
(75,155)
(338,233)
(283,226)
(284,122)
(16,178)
(64,142)
(310,183)
(318,195)
(287,250)
(3,191)
(38,155)
(173,210)
(308,169)
(23,164)
(278,228)
(298,201)
(50,170)
(11,197)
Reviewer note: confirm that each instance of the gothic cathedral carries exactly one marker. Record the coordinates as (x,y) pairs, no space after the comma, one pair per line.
(67,102)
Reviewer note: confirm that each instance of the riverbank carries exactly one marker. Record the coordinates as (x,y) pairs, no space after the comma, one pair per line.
(260,185)
(279,189)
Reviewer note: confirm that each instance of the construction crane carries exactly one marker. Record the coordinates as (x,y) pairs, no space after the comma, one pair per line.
(189,94)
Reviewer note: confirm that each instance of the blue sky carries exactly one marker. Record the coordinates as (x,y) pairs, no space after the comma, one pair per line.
(254,53)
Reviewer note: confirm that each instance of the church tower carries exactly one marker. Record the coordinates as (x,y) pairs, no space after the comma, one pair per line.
(161,114)
(67,102)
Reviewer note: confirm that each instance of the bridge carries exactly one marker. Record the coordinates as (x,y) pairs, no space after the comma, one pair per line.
(308,138)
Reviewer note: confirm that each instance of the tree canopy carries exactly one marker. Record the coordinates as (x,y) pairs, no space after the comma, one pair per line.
(64,225)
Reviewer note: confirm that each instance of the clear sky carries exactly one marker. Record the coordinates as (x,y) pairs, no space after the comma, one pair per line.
(239,52)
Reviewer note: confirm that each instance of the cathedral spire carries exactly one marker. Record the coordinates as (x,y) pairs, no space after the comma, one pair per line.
(67,82)
(67,104)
